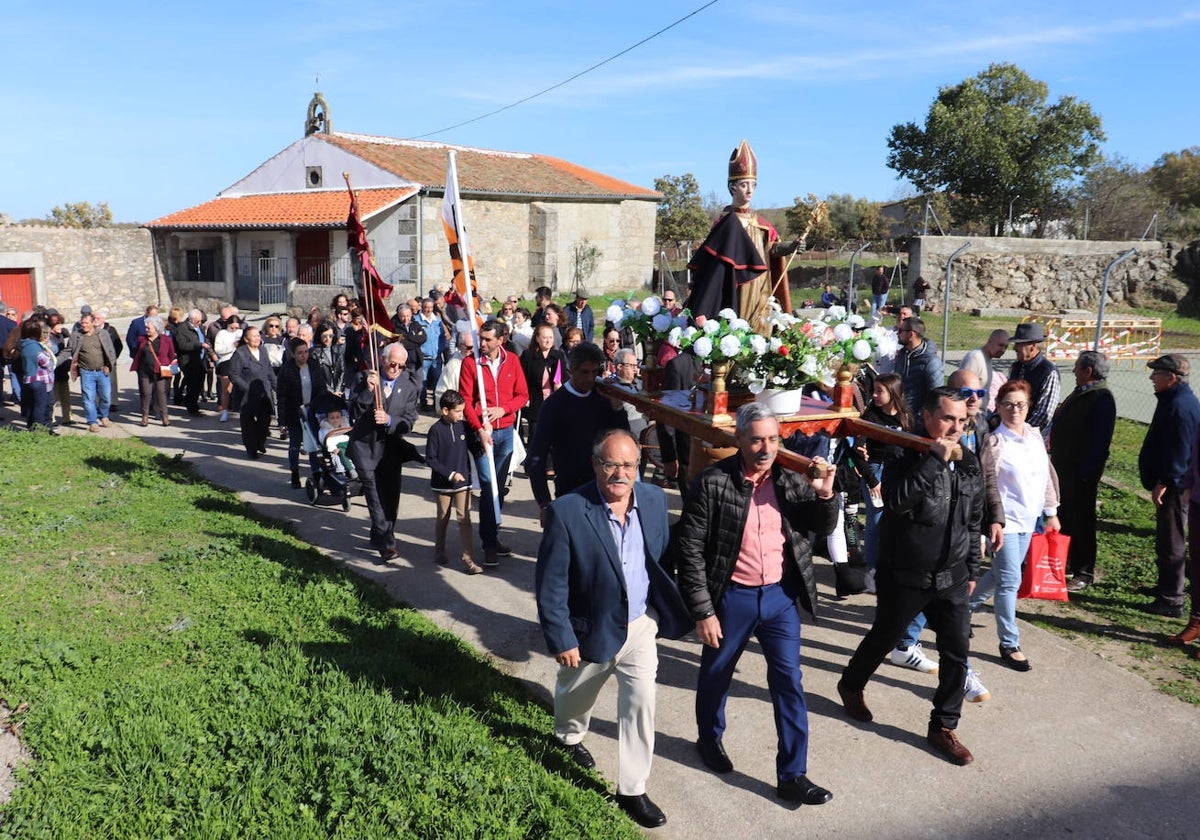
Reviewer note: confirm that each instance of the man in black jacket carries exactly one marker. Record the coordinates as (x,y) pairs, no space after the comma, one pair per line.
(1083,432)
(932,522)
(745,561)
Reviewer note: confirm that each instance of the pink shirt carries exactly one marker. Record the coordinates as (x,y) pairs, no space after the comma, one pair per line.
(760,558)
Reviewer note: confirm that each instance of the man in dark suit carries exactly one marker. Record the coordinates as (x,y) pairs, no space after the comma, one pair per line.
(377,445)
(602,598)
(190,349)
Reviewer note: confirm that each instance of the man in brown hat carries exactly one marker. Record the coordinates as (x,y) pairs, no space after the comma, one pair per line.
(1041,374)
(1165,467)
(579,314)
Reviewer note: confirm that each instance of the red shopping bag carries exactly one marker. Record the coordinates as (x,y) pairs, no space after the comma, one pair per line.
(1045,573)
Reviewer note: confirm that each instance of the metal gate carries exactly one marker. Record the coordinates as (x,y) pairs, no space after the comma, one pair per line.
(272,281)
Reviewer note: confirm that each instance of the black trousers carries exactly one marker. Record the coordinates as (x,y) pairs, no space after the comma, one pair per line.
(1170,546)
(947,615)
(256,424)
(381,492)
(1077,515)
(193,384)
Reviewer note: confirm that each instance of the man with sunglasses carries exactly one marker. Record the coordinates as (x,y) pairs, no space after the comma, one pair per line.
(979,362)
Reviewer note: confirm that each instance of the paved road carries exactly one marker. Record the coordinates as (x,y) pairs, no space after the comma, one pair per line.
(1077,747)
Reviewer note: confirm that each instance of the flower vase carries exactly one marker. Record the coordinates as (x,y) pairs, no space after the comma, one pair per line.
(782,403)
(843,389)
(717,403)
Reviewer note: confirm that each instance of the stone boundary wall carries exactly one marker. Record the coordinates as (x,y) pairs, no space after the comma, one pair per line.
(111,268)
(1043,275)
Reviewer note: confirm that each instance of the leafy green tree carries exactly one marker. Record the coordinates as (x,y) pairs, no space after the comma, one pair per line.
(681,215)
(1176,175)
(992,140)
(81,214)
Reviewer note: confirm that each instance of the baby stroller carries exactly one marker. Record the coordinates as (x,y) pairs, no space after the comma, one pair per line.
(333,476)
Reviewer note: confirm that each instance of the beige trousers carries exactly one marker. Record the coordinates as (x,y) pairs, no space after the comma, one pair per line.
(636,667)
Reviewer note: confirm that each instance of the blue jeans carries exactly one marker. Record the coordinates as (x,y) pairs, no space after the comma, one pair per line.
(1004,578)
(93,383)
(874,514)
(502,450)
(878,302)
(431,371)
(768,612)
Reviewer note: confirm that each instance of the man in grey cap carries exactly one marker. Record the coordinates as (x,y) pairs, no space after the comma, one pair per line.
(1165,467)
(1041,374)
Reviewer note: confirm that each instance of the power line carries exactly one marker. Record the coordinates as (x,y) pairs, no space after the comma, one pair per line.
(572,78)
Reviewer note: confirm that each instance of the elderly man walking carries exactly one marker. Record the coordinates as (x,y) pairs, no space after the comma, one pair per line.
(1083,432)
(1163,464)
(1041,374)
(602,597)
(744,563)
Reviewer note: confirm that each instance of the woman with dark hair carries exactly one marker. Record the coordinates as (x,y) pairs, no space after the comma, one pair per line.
(37,364)
(225,342)
(329,356)
(300,383)
(612,343)
(1015,455)
(545,369)
(152,361)
(250,370)
(315,318)
(176,319)
(887,408)
(339,301)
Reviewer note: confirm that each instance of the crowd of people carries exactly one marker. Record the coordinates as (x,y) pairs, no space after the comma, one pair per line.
(1007,460)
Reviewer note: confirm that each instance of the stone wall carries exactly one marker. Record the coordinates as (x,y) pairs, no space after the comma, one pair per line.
(1043,275)
(113,268)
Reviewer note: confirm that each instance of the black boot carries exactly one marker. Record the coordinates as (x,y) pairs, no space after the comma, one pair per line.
(295,478)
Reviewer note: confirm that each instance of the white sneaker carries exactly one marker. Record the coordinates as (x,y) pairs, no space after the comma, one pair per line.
(976,692)
(914,658)
(224,416)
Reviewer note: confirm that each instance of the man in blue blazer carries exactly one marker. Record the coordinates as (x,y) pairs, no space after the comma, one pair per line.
(602,598)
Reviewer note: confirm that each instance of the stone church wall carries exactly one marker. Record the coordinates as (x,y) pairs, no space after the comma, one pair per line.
(111,268)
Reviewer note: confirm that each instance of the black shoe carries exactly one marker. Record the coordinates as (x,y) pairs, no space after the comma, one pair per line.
(1164,608)
(643,812)
(386,554)
(1148,591)
(712,753)
(580,755)
(802,790)
(1006,658)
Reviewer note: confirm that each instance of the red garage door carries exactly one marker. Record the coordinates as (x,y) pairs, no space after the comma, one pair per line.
(16,289)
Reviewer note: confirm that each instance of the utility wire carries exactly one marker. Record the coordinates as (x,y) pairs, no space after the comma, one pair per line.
(572,78)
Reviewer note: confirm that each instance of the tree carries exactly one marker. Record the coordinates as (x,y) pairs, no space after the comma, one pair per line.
(992,141)
(1119,198)
(586,257)
(1176,175)
(681,216)
(81,214)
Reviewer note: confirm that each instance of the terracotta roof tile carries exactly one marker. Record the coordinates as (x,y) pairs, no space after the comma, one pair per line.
(312,208)
(484,170)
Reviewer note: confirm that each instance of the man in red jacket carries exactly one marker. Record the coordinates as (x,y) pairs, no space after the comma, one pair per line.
(494,390)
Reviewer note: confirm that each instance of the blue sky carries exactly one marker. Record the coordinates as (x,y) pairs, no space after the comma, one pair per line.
(155,107)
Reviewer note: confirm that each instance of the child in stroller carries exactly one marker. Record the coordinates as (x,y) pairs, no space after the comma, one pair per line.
(333,472)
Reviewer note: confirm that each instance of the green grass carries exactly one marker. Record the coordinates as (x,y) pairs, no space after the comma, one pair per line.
(1108,611)
(191,669)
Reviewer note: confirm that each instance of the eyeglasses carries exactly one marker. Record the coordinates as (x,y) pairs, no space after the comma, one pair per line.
(1014,406)
(627,364)
(392,364)
(273,326)
(613,466)
(977,393)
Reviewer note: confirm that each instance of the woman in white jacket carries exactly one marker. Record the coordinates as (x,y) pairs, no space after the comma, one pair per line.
(224,343)
(1016,456)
